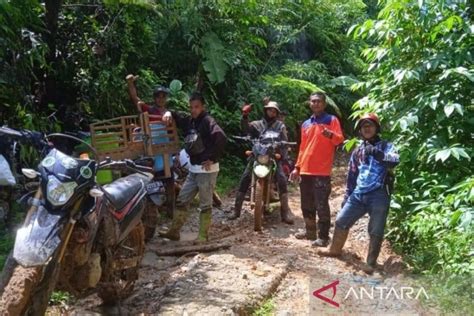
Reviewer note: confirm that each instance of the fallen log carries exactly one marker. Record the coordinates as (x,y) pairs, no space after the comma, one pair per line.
(181,250)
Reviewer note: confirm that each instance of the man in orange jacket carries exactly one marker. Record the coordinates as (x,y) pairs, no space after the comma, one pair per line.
(320,134)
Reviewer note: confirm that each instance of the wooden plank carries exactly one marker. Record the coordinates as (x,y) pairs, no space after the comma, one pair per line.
(110,142)
(166,165)
(102,127)
(108,135)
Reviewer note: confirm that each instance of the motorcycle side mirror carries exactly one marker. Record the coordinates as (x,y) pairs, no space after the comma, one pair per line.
(29,173)
(96,193)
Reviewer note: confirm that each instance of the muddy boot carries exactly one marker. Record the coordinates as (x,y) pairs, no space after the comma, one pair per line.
(374,250)
(323,240)
(239,200)
(179,219)
(310,230)
(338,241)
(205,217)
(285,211)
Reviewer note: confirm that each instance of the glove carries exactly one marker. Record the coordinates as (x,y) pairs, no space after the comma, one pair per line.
(370,150)
(246,109)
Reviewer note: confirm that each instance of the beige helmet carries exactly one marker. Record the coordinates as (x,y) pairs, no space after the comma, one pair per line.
(272,105)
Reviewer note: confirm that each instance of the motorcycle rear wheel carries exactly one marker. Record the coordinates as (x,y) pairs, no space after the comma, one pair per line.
(150,220)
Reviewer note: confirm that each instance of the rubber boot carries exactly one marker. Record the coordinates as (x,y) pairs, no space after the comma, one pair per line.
(374,251)
(285,211)
(338,241)
(310,230)
(323,240)
(205,218)
(179,219)
(239,200)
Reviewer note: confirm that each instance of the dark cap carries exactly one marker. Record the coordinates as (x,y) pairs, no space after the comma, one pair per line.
(160,89)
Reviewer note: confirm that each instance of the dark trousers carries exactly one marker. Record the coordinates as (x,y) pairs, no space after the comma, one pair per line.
(315,191)
(246,178)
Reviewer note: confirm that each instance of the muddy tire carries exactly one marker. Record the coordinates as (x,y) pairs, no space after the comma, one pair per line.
(118,284)
(17,296)
(150,220)
(260,190)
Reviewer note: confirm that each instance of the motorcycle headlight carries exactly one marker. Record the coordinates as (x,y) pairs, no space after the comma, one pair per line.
(261,171)
(59,193)
(263,159)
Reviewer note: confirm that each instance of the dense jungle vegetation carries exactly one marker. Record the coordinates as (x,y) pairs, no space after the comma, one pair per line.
(410,61)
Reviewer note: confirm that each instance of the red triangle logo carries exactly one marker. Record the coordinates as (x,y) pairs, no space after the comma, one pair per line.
(332,286)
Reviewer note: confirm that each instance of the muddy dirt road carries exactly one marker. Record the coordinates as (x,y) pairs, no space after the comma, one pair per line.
(272,268)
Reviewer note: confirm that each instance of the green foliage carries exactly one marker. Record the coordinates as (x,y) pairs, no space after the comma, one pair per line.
(6,244)
(60,298)
(267,308)
(420,82)
(231,170)
(213,52)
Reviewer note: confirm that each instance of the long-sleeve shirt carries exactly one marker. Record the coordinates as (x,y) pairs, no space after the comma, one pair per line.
(213,137)
(316,154)
(367,172)
(255,129)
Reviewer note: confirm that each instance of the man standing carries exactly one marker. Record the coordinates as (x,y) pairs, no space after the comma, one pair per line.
(204,143)
(368,190)
(157,109)
(320,134)
(255,129)
(160,98)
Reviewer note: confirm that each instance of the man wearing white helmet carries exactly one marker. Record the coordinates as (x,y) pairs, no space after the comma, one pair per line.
(254,129)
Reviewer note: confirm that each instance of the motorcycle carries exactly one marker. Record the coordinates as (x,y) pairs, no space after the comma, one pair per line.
(265,153)
(78,236)
(160,193)
(10,144)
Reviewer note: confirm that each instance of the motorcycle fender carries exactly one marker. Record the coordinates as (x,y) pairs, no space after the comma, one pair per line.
(261,171)
(37,240)
(132,219)
(157,199)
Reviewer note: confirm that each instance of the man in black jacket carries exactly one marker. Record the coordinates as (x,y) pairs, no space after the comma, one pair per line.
(204,143)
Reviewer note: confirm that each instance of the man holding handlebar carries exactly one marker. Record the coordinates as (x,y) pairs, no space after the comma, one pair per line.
(254,129)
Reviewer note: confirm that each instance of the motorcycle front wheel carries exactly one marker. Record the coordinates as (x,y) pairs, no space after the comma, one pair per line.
(28,291)
(260,189)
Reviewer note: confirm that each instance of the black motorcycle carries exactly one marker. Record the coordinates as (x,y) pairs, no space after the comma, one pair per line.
(77,236)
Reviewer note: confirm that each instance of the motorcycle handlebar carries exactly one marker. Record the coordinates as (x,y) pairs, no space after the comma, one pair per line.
(248,138)
(126,163)
(36,139)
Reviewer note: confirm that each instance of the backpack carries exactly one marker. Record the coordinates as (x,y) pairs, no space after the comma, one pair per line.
(193,143)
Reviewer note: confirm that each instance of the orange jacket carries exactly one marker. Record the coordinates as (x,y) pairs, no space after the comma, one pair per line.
(316,153)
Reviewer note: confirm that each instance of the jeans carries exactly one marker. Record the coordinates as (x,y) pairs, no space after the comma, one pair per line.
(375,203)
(246,178)
(315,191)
(202,183)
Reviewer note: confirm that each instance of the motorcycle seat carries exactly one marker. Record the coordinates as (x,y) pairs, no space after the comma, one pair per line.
(121,191)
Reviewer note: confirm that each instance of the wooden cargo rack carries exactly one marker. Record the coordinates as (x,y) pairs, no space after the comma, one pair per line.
(135,136)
